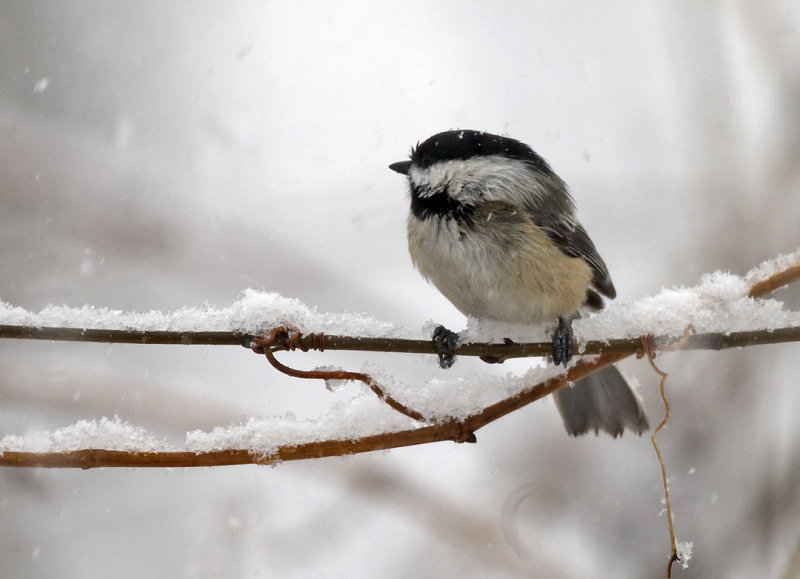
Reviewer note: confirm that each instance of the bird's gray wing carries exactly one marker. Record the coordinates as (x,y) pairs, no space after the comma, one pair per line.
(570,236)
(555,215)
(547,201)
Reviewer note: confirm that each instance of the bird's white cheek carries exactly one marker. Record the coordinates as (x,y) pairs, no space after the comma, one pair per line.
(439,177)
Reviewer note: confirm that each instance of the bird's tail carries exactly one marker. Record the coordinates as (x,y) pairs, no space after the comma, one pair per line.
(602,401)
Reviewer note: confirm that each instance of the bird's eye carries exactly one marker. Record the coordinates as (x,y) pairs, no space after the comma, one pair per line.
(426,161)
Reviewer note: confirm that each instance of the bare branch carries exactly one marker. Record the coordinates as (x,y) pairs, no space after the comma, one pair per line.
(125,336)
(778,280)
(268,348)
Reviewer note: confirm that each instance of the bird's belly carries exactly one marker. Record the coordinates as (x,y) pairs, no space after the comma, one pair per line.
(511,273)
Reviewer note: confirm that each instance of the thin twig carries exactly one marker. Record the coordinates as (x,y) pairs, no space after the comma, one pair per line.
(449,430)
(708,341)
(775,281)
(455,430)
(267,346)
(59,334)
(649,351)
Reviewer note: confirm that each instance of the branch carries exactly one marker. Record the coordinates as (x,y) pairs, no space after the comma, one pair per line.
(775,281)
(454,430)
(705,341)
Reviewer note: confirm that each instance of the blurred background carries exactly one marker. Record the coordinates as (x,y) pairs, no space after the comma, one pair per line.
(156,155)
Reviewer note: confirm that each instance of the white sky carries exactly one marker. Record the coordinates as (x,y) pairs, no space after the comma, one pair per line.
(166,155)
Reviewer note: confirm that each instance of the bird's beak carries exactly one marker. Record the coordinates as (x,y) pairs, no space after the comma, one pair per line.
(401,167)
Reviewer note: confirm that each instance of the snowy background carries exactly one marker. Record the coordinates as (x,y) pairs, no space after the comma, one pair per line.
(160,155)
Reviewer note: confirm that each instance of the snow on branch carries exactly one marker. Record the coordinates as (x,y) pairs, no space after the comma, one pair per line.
(720,309)
(720,312)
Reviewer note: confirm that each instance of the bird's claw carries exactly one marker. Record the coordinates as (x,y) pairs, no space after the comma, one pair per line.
(562,343)
(446,342)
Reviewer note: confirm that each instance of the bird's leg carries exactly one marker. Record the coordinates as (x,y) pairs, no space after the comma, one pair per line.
(562,342)
(446,342)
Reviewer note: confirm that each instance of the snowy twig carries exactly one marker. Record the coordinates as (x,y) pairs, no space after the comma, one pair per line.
(268,347)
(458,430)
(451,430)
(775,281)
(705,341)
(125,336)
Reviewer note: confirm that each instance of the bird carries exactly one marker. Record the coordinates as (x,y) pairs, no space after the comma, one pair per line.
(494,229)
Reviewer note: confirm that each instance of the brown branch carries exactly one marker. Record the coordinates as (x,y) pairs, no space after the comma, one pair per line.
(59,334)
(450,430)
(775,281)
(649,351)
(266,346)
(453,430)
(354,343)
(707,341)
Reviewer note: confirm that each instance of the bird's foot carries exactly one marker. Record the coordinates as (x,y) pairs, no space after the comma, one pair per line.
(562,343)
(446,342)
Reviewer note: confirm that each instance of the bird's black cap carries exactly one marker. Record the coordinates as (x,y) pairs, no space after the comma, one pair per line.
(465,144)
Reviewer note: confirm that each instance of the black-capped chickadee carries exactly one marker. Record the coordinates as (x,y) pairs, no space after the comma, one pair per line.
(494,229)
